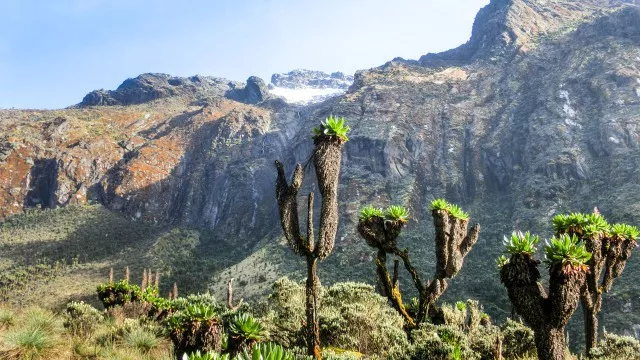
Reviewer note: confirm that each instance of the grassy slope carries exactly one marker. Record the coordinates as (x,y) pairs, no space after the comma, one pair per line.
(53,256)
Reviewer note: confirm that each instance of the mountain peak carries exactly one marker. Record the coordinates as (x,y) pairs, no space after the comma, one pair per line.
(507,26)
(151,86)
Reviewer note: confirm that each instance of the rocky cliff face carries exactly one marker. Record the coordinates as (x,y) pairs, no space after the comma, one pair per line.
(537,114)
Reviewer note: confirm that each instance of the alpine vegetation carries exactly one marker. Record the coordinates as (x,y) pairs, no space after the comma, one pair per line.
(547,313)
(328,139)
(610,248)
(381,229)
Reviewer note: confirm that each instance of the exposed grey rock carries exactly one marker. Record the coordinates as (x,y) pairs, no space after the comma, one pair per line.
(301,78)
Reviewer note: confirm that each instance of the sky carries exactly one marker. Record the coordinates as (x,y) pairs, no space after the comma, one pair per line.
(53,52)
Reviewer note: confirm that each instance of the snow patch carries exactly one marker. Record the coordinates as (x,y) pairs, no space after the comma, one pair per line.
(305,95)
(614,140)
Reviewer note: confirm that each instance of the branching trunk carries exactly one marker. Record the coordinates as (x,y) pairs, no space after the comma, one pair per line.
(327,160)
(453,243)
(550,343)
(546,314)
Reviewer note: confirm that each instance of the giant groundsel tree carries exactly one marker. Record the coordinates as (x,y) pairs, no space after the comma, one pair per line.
(328,140)
(546,312)
(453,241)
(610,247)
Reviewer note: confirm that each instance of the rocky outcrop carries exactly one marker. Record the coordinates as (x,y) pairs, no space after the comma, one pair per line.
(298,79)
(149,87)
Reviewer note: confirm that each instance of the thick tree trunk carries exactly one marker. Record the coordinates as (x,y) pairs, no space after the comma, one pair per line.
(313,329)
(550,343)
(590,329)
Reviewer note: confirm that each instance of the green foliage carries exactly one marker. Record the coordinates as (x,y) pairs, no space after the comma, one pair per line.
(81,318)
(502,261)
(566,250)
(396,213)
(193,313)
(247,328)
(352,316)
(441,342)
(264,351)
(461,306)
(580,224)
(439,204)
(616,347)
(29,343)
(118,293)
(520,243)
(7,318)
(35,338)
(206,356)
(369,212)
(141,339)
(268,351)
(517,341)
(332,126)
(452,209)
(624,231)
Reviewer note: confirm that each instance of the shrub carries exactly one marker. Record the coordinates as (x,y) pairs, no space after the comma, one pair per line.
(81,319)
(616,347)
(517,340)
(440,342)
(352,316)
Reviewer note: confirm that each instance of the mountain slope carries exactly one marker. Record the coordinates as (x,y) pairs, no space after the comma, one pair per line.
(537,114)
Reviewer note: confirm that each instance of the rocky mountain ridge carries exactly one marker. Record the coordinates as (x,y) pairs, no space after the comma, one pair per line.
(539,113)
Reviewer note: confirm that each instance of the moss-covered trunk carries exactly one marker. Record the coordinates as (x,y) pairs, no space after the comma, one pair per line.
(550,343)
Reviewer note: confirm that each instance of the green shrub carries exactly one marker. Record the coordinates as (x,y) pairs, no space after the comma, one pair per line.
(81,319)
(440,342)
(198,327)
(616,347)
(352,316)
(517,340)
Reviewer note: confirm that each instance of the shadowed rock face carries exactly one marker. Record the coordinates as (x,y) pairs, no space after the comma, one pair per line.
(538,113)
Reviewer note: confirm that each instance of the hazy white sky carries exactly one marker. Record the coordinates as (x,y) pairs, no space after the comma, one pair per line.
(52,52)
